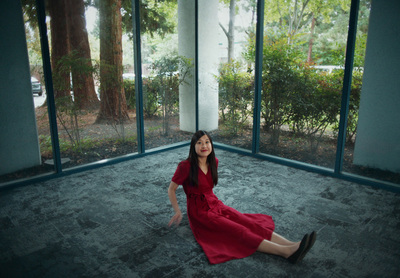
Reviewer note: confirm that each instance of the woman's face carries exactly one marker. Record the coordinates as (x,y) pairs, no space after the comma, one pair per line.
(203,146)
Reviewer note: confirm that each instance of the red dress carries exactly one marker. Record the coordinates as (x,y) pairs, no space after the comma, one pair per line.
(222,232)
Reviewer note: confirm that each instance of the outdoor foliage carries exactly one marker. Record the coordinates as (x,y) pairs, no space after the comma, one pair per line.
(68,116)
(129,89)
(315,105)
(294,94)
(236,93)
(354,103)
(169,72)
(280,78)
(161,89)
(69,109)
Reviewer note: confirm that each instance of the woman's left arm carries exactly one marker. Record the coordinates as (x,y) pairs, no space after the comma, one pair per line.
(177,218)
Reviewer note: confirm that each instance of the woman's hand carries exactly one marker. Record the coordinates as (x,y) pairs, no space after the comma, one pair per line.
(176,219)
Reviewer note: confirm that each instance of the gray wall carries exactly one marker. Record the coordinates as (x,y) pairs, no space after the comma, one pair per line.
(378,132)
(19,146)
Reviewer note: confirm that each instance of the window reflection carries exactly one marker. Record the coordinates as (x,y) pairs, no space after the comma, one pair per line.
(165,69)
(235,76)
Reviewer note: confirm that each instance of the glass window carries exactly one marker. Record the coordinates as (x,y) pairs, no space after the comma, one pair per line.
(91,53)
(93,93)
(372,137)
(230,70)
(168,73)
(302,79)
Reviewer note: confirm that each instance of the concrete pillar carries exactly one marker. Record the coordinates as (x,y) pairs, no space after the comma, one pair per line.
(19,144)
(378,131)
(208,63)
(186,47)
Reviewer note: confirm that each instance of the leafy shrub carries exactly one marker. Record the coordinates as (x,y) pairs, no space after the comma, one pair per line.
(151,103)
(279,81)
(294,94)
(354,102)
(129,89)
(315,105)
(169,72)
(235,96)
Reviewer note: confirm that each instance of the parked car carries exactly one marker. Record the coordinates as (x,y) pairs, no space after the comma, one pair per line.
(36,86)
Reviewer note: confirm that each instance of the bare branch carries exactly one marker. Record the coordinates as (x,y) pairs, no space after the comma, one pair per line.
(223,29)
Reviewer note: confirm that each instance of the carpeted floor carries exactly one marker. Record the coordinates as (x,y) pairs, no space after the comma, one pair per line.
(112,222)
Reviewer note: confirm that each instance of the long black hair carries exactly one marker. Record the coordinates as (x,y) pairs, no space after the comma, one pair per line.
(194,162)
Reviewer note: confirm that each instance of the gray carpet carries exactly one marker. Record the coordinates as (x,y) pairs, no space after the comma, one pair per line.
(112,222)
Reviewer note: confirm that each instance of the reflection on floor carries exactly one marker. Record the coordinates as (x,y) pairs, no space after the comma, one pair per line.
(112,222)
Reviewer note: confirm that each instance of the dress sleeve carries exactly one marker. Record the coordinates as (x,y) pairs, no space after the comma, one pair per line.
(181,173)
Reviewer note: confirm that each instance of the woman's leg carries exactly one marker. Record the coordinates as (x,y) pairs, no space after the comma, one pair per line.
(281,240)
(273,248)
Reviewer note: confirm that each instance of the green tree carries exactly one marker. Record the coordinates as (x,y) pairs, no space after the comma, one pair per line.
(330,40)
(279,77)
(67,33)
(113,107)
(322,11)
(236,91)
(300,20)
(230,33)
(170,72)
(83,84)
(315,104)
(59,47)
(156,17)
(32,36)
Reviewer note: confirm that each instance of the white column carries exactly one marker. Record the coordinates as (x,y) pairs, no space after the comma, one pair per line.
(208,64)
(186,46)
(378,131)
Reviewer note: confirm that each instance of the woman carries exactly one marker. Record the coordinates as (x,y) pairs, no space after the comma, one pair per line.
(222,232)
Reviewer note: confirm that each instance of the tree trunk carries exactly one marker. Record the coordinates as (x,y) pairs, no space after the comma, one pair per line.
(311,41)
(113,105)
(231,31)
(82,70)
(59,47)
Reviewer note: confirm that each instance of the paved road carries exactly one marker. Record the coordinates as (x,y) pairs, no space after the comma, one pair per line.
(39,100)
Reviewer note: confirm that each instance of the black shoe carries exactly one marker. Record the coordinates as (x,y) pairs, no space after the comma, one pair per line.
(298,255)
(311,241)
(313,237)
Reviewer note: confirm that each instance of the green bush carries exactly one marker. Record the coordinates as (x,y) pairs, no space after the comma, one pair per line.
(354,102)
(129,89)
(280,77)
(151,103)
(315,105)
(169,72)
(236,91)
(294,94)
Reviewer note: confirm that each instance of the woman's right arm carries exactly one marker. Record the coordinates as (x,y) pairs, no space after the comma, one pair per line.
(177,218)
